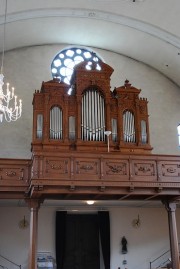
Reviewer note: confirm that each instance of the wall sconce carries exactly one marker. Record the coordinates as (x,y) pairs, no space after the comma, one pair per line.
(23,224)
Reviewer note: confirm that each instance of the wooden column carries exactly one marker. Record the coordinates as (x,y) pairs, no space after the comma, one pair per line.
(171,209)
(34,205)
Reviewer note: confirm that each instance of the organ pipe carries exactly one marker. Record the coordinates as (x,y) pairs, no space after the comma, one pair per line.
(143,132)
(114,129)
(39,126)
(93,116)
(129,127)
(56,123)
(72,128)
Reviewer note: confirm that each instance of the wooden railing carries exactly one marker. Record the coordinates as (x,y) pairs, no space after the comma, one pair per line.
(118,175)
(96,175)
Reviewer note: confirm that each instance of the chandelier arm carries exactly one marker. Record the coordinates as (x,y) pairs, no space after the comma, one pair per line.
(11,117)
(8,102)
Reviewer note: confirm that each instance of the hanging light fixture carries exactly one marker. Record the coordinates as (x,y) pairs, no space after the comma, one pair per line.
(10,108)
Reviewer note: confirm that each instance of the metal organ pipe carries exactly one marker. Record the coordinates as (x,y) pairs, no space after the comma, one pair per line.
(129,127)
(103,120)
(96,116)
(82,122)
(143,132)
(99,117)
(133,136)
(90,116)
(127,131)
(86,108)
(51,132)
(124,127)
(56,123)
(39,126)
(93,116)
(114,129)
(92,119)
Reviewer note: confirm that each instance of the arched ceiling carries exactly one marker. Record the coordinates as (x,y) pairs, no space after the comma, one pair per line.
(145,30)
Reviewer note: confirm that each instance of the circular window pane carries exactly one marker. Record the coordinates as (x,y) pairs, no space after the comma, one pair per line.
(63,71)
(69,72)
(67,61)
(63,64)
(54,70)
(70,53)
(87,54)
(57,63)
(61,55)
(78,51)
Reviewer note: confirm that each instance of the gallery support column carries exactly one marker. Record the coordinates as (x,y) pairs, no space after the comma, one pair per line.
(34,205)
(171,209)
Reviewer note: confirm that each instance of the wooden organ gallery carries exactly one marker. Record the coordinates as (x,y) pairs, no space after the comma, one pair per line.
(91,144)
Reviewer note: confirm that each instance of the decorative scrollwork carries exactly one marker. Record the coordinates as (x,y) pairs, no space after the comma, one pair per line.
(115,168)
(144,169)
(11,174)
(86,167)
(142,109)
(55,166)
(171,170)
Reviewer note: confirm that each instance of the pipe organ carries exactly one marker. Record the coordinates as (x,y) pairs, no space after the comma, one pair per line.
(92,116)
(129,132)
(55,123)
(77,122)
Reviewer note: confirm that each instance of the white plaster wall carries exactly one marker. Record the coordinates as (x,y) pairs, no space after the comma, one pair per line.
(26,68)
(144,244)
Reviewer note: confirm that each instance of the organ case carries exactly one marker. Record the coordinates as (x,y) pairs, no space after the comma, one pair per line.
(78,121)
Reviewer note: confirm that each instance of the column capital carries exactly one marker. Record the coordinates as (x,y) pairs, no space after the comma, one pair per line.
(170,206)
(34,203)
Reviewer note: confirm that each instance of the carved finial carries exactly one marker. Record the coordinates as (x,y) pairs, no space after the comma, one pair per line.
(94,65)
(114,92)
(56,79)
(127,84)
(93,54)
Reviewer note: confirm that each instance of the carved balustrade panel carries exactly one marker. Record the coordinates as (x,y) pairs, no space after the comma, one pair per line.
(11,173)
(87,169)
(56,167)
(117,170)
(14,173)
(169,171)
(143,170)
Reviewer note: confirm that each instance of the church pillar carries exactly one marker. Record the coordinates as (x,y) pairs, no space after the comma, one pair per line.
(34,205)
(171,209)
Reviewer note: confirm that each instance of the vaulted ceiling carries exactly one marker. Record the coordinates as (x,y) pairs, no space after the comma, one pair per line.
(145,30)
